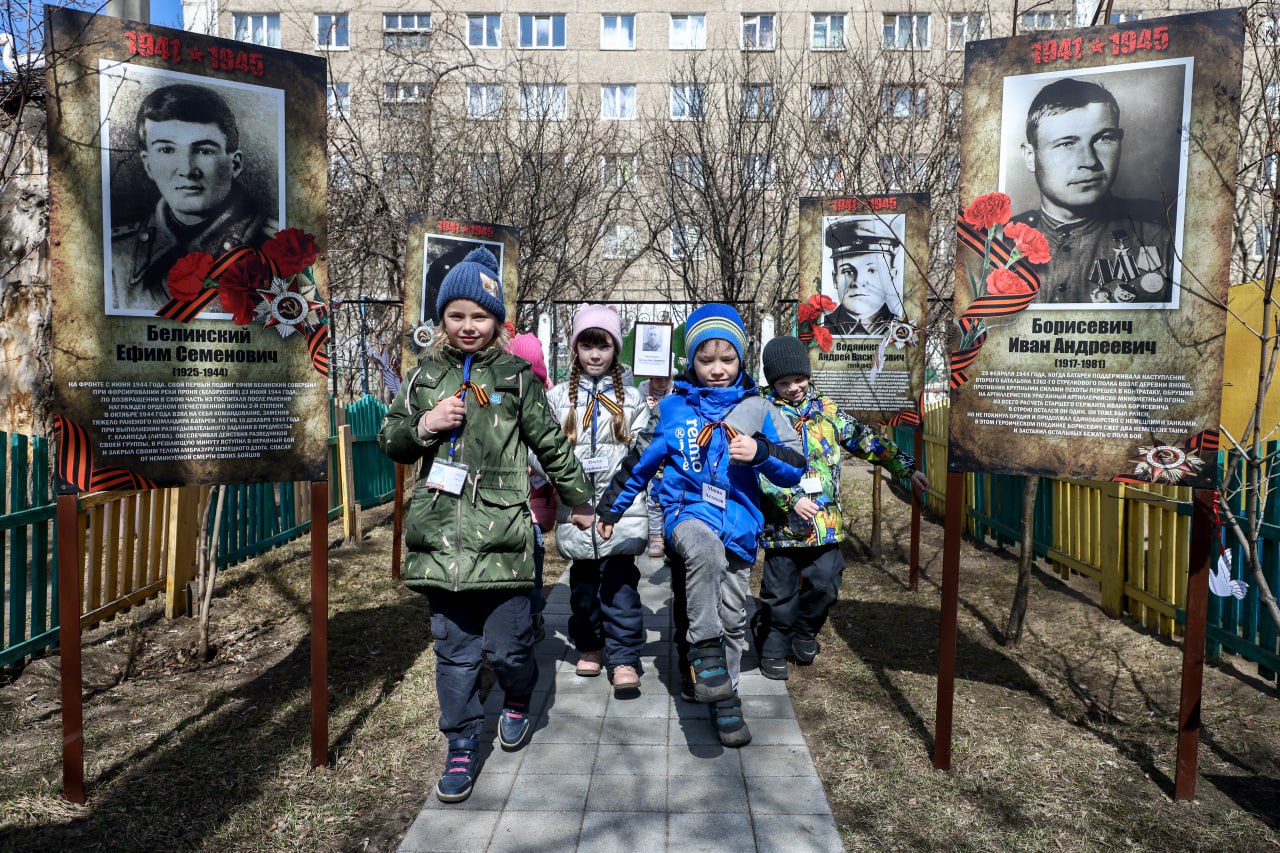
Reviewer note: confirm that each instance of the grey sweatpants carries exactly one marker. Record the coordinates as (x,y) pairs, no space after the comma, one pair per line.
(716,589)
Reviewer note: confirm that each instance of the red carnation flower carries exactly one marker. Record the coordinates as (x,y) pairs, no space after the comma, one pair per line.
(823,303)
(1006,283)
(822,335)
(292,249)
(807,313)
(989,210)
(238,286)
(187,276)
(1030,242)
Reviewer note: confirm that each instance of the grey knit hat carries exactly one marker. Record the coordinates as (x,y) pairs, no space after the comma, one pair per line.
(786,356)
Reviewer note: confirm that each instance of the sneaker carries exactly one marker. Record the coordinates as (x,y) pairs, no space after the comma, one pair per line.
(459,771)
(729,723)
(539,628)
(656,546)
(710,672)
(804,651)
(686,685)
(774,668)
(514,724)
(590,663)
(625,679)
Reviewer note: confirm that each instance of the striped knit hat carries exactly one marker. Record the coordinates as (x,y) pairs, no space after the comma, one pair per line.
(715,321)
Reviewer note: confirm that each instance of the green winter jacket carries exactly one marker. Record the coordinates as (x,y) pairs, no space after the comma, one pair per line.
(483,538)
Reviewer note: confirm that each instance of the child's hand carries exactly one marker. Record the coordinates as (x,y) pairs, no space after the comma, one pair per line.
(446,415)
(605,529)
(920,482)
(806,508)
(742,448)
(582,516)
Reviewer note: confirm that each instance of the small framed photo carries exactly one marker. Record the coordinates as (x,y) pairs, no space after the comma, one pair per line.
(652,353)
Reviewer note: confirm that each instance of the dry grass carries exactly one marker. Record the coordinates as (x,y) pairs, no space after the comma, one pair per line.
(1065,743)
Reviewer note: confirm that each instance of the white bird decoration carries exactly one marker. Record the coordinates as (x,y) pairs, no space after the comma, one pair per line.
(1220,582)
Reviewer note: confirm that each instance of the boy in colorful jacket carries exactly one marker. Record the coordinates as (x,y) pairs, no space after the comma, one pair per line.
(717,437)
(803,528)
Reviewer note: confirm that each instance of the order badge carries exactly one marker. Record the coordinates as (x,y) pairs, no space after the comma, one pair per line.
(713,495)
(448,477)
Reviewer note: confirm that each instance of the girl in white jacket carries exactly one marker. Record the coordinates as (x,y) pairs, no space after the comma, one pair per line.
(603,417)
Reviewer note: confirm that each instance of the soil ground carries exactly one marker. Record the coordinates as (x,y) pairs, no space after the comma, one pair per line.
(1066,742)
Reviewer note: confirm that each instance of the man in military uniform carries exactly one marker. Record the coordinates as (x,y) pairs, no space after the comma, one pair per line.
(865,276)
(1104,249)
(189,145)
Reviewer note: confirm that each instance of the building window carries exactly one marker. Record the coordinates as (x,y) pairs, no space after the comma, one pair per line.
(484,100)
(826,102)
(484,30)
(964,27)
(686,101)
(1042,21)
(758,32)
(688,32)
(1271,99)
(825,174)
(484,169)
(542,32)
(686,242)
(902,101)
(827,32)
(339,173)
(540,101)
(955,102)
(405,93)
(257,29)
(406,31)
(332,32)
(618,101)
(1269,29)
(900,172)
(400,167)
(617,170)
(620,241)
(1125,17)
(1270,171)
(338,99)
(617,32)
(758,171)
(757,102)
(687,169)
(906,31)
(1261,242)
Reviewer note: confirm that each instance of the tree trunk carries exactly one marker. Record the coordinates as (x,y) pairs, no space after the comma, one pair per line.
(1018,611)
(876,514)
(209,571)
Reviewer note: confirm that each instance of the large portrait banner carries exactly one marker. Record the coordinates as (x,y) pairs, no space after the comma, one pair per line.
(187,180)
(1093,251)
(863,300)
(435,246)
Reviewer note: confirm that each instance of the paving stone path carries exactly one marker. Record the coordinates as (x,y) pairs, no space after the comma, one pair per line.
(640,774)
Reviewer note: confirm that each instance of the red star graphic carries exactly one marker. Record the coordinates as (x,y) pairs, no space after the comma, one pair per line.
(1097,45)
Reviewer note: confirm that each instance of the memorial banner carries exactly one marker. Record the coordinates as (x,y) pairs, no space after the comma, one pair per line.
(863,301)
(435,246)
(187,179)
(1093,251)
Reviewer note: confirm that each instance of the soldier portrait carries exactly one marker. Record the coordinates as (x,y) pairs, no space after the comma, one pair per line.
(1095,161)
(862,269)
(193,165)
(440,254)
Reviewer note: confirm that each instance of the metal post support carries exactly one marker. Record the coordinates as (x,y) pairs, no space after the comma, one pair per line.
(951,542)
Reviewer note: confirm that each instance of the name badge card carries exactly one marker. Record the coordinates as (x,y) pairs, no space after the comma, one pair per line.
(714,495)
(595,464)
(811,485)
(448,477)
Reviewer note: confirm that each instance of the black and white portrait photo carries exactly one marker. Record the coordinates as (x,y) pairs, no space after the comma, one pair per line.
(441,253)
(1096,161)
(189,164)
(652,353)
(862,269)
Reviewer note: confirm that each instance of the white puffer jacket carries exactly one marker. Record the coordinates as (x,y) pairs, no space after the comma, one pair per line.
(631,535)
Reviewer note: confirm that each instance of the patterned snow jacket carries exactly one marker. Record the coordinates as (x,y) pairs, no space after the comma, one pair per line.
(824,429)
(482,538)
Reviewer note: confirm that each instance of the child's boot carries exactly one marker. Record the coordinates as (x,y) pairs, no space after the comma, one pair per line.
(514,724)
(730,725)
(710,671)
(804,650)
(459,771)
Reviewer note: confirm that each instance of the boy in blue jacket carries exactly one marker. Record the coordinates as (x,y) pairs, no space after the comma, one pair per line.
(717,436)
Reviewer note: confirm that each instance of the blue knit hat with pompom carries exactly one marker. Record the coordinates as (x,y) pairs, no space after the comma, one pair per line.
(475,277)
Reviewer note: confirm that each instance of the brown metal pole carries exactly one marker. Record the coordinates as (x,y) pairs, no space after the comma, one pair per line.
(319,624)
(1202,551)
(69,563)
(397,523)
(913,581)
(951,540)
(877,514)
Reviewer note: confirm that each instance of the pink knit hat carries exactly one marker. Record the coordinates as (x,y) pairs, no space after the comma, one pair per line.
(596,317)
(529,348)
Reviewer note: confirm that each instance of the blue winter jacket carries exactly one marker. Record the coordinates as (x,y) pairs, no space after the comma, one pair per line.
(672,439)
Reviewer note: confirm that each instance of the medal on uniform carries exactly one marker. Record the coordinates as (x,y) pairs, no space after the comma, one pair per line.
(1149,263)
(1100,272)
(1123,268)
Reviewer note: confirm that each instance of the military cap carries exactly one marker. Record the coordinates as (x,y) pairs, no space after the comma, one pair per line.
(860,236)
